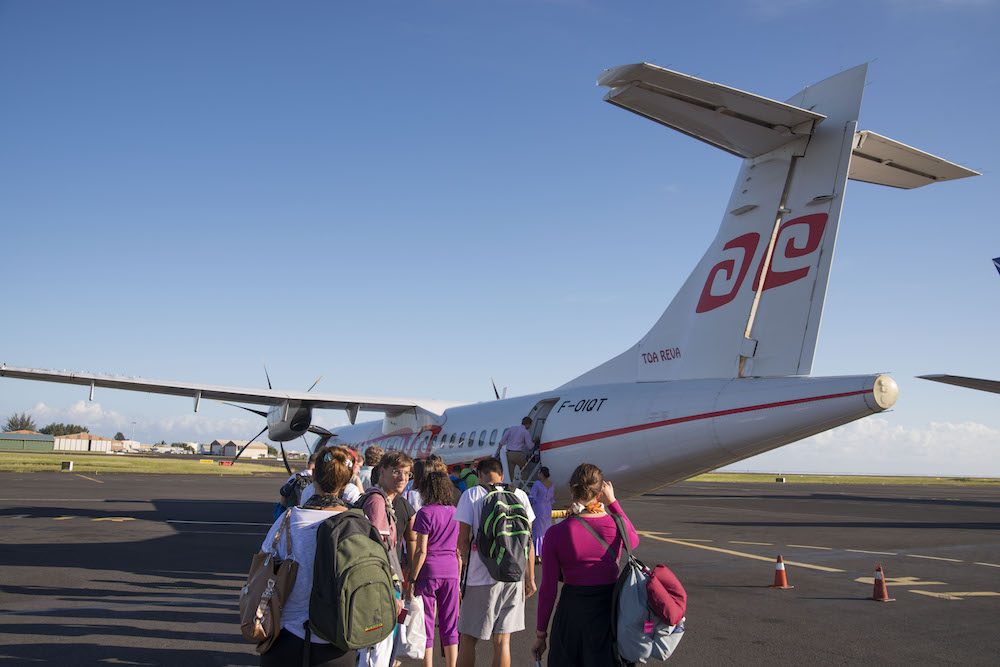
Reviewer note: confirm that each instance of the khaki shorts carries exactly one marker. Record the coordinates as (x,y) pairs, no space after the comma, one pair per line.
(492,610)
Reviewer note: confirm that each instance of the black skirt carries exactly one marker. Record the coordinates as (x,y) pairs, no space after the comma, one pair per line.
(581,631)
(287,651)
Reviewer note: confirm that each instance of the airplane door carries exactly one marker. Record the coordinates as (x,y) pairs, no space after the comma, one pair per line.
(538,415)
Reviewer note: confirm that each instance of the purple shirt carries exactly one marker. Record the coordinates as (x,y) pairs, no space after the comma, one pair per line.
(518,439)
(438,523)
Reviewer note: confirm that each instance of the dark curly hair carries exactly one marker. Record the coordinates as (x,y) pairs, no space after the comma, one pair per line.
(436,489)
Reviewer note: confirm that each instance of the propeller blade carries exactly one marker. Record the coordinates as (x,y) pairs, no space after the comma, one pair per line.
(268,376)
(248,443)
(243,407)
(284,457)
(495,392)
(313,386)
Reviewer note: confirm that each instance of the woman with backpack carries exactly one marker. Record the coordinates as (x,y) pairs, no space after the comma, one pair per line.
(435,565)
(333,471)
(581,632)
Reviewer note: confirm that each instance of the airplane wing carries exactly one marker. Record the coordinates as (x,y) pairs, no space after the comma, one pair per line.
(959,381)
(196,391)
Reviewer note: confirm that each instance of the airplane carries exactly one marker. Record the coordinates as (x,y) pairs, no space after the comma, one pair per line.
(967,382)
(723,374)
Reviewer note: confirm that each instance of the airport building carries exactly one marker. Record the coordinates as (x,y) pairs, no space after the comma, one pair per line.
(255,450)
(26,441)
(83,442)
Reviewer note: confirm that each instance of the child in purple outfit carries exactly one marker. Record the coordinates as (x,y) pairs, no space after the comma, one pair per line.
(435,565)
(542,496)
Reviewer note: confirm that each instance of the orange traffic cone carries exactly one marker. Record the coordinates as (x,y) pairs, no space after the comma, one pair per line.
(780,578)
(881,592)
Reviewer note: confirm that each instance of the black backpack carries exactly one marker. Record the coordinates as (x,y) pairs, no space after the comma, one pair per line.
(353,600)
(291,492)
(504,534)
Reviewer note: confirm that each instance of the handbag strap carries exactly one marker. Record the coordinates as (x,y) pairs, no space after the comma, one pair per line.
(283,528)
(597,536)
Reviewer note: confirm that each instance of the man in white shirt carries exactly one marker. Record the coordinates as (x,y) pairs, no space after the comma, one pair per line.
(491,610)
(517,440)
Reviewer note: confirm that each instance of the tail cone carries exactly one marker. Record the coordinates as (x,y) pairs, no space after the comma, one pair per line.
(780,578)
(880,592)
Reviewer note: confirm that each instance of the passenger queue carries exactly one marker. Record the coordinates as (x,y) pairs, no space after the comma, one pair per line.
(412,552)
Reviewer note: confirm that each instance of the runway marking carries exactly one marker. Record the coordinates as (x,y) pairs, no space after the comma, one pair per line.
(901,581)
(116,519)
(759,544)
(877,553)
(986,564)
(218,523)
(950,560)
(62,518)
(957,595)
(741,554)
(25,516)
(808,546)
(90,478)
(693,539)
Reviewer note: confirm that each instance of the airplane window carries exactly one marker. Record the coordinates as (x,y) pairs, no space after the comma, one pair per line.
(493,438)
(472,439)
(482,439)
(451,443)
(461,440)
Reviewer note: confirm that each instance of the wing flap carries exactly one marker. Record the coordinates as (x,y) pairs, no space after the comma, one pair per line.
(742,123)
(884,161)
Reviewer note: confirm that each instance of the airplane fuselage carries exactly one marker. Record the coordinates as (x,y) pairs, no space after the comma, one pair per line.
(646,435)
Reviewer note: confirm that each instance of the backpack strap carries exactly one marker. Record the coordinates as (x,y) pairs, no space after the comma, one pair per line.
(597,536)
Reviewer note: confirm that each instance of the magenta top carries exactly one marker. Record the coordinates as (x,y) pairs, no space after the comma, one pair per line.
(572,554)
(438,523)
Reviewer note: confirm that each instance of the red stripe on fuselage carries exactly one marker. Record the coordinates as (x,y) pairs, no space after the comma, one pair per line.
(575,440)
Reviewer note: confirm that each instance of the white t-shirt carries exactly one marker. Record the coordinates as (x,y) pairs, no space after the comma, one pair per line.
(303,525)
(349,496)
(470,506)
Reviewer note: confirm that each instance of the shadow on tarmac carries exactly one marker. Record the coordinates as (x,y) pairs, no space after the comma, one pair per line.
(174,589)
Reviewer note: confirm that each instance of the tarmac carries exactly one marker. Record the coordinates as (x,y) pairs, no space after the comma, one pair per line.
(146,570)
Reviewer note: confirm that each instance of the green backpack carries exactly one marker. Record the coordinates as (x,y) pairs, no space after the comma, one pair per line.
(353,602)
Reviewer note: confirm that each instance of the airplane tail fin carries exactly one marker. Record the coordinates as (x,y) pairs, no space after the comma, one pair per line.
(752,305)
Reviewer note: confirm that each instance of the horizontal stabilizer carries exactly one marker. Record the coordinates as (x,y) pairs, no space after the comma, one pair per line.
(970,383)
(741,123)
(884,161)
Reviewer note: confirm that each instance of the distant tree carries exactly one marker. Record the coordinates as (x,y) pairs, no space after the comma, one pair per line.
(20,421)
(272,451)
(58,429)
(184,446)
(120,436)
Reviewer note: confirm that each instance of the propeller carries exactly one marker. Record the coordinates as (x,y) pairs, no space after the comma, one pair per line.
(324,434)
(497,393)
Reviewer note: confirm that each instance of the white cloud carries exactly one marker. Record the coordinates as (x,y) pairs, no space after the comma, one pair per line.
(183,428)
(876,445)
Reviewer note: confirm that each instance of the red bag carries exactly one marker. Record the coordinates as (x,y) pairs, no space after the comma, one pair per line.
(667,598)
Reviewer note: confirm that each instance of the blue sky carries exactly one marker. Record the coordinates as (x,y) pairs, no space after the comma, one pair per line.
(411,197)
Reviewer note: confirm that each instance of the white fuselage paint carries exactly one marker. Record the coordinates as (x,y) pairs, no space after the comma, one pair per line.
(649,434)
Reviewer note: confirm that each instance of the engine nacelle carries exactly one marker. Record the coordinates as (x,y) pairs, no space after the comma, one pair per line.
(288,421)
